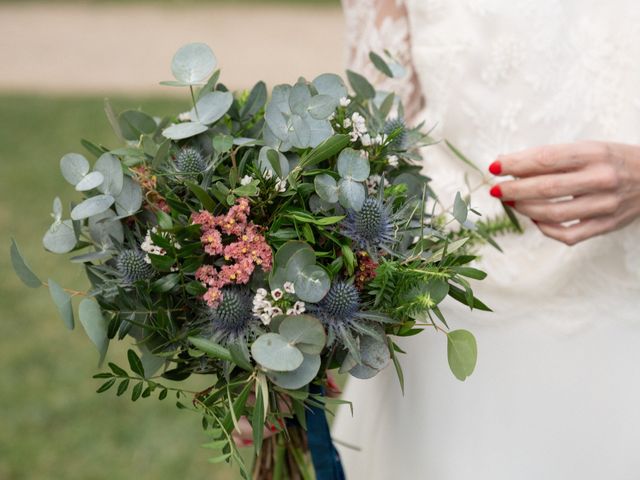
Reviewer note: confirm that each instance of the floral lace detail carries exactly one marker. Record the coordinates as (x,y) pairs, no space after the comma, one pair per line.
(503,76)
(378,25)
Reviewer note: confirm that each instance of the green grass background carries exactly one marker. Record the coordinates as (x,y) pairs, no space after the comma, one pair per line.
(52,423)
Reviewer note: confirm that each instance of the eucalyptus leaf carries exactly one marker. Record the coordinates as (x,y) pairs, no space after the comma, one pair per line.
(352,164)
(351,194)
(299,98)
(111,169)
(280,167)
(276,121)
(305,332)
(60,237)
(91,257)
(320,130)
(380,64)
(211,348)
(21,268)
(104,228)
(74,167)
(301,376)
(321,107)
(286,251)
(180,131)
(212,107)
(90,181)
(257,99)
(134,123)
(312,283)
(92,206)
(94,325)
(193,64)
(462,353)
(274,352)
(130,198)
(361,85)
(297,262)
(299,132)
(330,84)
(460,209)
(63,302)
(326,187)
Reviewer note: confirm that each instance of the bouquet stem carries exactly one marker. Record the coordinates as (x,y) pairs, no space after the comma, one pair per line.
(284,459)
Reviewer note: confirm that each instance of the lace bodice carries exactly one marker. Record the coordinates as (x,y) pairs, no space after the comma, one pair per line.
(501,76)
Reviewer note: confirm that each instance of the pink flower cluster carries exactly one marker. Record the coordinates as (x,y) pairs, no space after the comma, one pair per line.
(248,249)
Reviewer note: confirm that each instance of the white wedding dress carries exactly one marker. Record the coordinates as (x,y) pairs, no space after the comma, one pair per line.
(556,391)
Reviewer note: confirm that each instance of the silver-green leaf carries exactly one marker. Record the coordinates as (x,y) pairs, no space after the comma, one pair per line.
(111,169)
(94,325)
(326,187)
(212,107)
(305,332)
(312,283)
(184,130)
(92,206)
(351,194)
(462,353)
(301,376)
(21,268)
(274,352)
(63,301)
(193,64)
(352,164)
(74,167)
(60,237)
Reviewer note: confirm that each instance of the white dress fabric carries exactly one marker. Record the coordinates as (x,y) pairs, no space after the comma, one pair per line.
(556,391)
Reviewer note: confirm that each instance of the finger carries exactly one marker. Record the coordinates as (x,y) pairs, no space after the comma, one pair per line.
(580,208)
(597,179)
(579,232)
(548,159)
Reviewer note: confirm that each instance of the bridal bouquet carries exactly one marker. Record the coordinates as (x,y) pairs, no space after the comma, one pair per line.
(261,240)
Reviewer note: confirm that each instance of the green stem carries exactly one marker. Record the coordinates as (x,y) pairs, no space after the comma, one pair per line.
(193,99)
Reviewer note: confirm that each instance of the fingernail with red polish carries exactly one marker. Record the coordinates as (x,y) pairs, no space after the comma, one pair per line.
(510,203)
(272,428)
(496,167)
(247,442)
(496,191)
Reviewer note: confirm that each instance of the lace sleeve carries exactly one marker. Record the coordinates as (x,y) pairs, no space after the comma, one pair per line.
(376,25)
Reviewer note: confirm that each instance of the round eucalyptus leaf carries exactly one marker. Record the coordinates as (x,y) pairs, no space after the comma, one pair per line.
(94,325)
(271,160)
(90,181)
(111,169)
(280,98)
(74,167)
(193,63)
(63,301)
(130,198)
(374,352)
(326,187)
(212,107)
(60,238)
(180,131)
(274,352)
(299,98)
(330,84)
(92,206)
(297,262)
(305,332)
(353,164)
(286,251)
(322,106)
(462,353)
(104,228)
(363,372)
(299,132)
(134,123)
(276,121)
(320,130)
(301,376)
(351,194)
(312,284)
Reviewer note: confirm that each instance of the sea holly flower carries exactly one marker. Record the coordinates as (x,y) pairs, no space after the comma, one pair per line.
(373,227)
(189,160)
(340,313)
(232,319)
(133,267)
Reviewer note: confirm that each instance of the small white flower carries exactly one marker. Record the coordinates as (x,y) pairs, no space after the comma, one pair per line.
(265,318)
(246,180)
(344,102)
(277,294)
(393,160)
(378,140)
(275,311)
(281,185)
(290,311)
(184,116)
(261,292)
(366,140)
(289,288)
(267,174)
(149,247)
(347,123)
(299,307)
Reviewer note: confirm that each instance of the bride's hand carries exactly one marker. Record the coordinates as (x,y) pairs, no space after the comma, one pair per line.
(593,185)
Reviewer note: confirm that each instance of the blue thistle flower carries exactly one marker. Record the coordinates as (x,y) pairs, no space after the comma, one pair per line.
(373,227)
(399,142)
(341,314)
(232,320)
(190,160)
(133,266)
